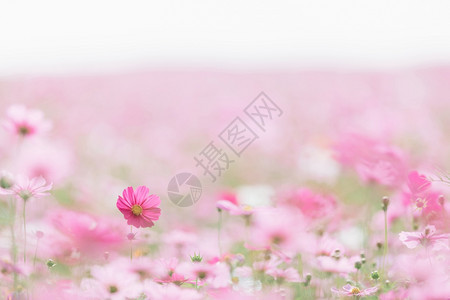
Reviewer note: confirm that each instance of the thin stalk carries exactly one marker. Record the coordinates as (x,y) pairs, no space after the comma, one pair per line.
(24,233)
(219,229)
(131,245)
(35,253)
(385,250)
(13,238)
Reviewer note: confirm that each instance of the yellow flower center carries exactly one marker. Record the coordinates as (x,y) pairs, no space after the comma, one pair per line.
(355,291)
(247,208)
(136,209)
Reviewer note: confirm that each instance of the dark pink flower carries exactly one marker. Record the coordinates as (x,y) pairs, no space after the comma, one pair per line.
(139,207)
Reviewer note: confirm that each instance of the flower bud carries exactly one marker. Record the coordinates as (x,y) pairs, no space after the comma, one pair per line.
(196,258)
(374,275)
(50,263)
(385,203)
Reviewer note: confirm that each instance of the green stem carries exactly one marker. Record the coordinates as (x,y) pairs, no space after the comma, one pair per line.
(131,245)
(219,228)
(385,252)
(13,239)
(24,234)
(35,254)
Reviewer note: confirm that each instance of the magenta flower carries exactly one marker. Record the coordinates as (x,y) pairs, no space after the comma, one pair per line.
(139,208)
(428,237)
(21,121)
(350,291)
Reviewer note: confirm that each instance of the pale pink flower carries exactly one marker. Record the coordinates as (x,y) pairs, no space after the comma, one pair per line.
(398,294)
(26,189)
(22,121)
(230,203)
(312,205)
(289,274)
(427,238)
(352,291)
(341,265)
(156,291)
(166,271)
(281,229)
(89,234)
(62,289)
(138,207)
(111,282)
(373,160)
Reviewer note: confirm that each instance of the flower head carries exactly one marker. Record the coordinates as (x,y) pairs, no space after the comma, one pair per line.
(26,189)
(427,237)
(350,291)
(138,207)
(22,121)
(417,183)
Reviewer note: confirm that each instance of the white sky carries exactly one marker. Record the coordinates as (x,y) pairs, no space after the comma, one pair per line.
(90,36)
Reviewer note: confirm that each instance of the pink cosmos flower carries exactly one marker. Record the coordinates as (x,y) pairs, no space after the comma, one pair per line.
(341,265)
(25,188)
(311,204)
(427,238)
(417,183)
(138,207)
(23,122)
(169,292)
(229,202)
(89,234)
(351,291)
(111,282)
(374,160)
(290,274)
(281,229)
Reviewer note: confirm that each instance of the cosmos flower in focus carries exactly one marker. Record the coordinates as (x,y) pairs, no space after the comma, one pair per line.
(26,189)
(350,291)
(22,121)
(139,207)
(428,237)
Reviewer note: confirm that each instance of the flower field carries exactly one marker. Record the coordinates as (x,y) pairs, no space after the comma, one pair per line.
(226,185)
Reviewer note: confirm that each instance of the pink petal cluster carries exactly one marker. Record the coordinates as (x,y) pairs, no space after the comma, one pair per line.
(374,160)
(427,238)
(22,121)
(25,188)
(353,291)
